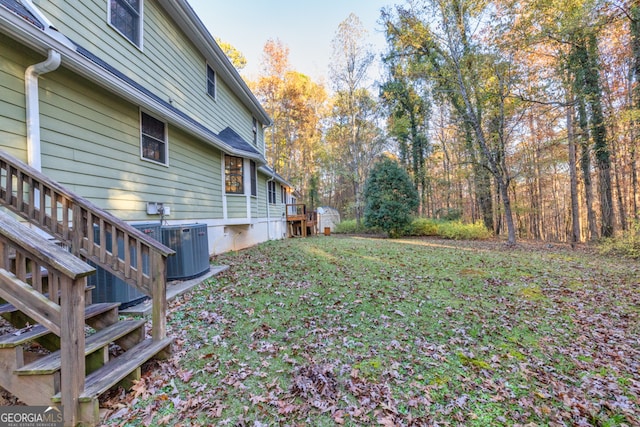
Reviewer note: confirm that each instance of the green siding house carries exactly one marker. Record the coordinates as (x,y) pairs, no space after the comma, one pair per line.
(132,105)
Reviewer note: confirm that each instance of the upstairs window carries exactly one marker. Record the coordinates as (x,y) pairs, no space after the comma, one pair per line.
(271,190)
(211,82)
(283,194)
(255,131)
(153,139)
(233,175)
(126,17)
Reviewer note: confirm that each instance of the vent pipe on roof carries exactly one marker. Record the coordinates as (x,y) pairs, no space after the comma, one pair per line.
(31,76)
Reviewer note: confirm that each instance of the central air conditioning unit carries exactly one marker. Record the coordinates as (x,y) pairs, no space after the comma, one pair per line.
(109,288)
(191,244)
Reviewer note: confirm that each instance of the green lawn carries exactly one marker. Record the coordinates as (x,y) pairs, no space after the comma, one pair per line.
(360,331)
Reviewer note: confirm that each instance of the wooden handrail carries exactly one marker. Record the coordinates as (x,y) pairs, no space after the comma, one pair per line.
(89,231)
(25,256)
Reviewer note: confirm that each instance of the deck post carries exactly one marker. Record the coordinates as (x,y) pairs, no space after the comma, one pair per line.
(159,298)
(72,343)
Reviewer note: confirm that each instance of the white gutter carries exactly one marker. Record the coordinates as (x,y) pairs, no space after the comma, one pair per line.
(31,76)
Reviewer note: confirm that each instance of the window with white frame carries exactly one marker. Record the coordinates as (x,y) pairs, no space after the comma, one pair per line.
(233,175)
(153,139)
(271,190)
(283,194)
(211,82)
(126,17)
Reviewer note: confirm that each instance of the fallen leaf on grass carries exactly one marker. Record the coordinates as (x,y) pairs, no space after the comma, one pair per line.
(186,375)
(140,389)
(217,409)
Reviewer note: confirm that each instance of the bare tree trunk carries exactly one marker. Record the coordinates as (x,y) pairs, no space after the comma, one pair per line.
(634,29)
(585,166)
(357,212)
(498,202)
(446,167)
(541,225)
(618,187)
(474,200)
(557,198)
(534,229)
(634,180)
(573,174)
(481,183)
(495,166)
(508,214)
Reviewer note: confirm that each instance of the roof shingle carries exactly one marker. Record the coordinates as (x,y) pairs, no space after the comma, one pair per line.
(19,9)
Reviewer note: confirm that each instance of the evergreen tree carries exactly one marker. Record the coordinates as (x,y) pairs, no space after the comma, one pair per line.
(390,196)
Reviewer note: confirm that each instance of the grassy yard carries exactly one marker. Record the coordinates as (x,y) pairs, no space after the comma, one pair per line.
(357,331)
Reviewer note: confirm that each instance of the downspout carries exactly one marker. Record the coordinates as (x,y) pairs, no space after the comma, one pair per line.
(31,76)
(273,177)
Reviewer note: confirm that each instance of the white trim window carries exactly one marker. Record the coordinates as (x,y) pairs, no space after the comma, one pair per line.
(271,190)
(233,174)
(211,82)
(126,17)
(153,139)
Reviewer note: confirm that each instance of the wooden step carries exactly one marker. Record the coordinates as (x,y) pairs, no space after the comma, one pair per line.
(38,331)
(94,310)
(23,336)
(119,368)
(7,308)
(100,340)
(101,315)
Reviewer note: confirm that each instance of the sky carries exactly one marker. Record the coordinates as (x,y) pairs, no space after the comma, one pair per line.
(307,28)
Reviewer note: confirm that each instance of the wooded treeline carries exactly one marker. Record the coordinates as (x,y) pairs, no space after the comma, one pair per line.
(522,115)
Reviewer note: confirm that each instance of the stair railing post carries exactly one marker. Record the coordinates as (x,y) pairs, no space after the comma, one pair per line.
(159,296)
(77,235)
(72,343)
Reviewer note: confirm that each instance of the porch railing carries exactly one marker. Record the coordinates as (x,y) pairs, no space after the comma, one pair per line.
(89,232)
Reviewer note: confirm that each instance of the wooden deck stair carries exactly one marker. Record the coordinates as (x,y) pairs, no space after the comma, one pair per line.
(62,351)
(38,381)
(300,222)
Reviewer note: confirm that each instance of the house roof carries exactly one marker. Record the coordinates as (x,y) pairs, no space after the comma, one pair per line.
(274,175)
(80,59)
(19,9)
(231,137)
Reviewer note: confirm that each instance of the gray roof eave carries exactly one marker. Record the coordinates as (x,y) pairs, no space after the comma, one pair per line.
(274,175)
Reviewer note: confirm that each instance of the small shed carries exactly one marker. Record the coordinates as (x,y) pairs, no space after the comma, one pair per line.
(328,217)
